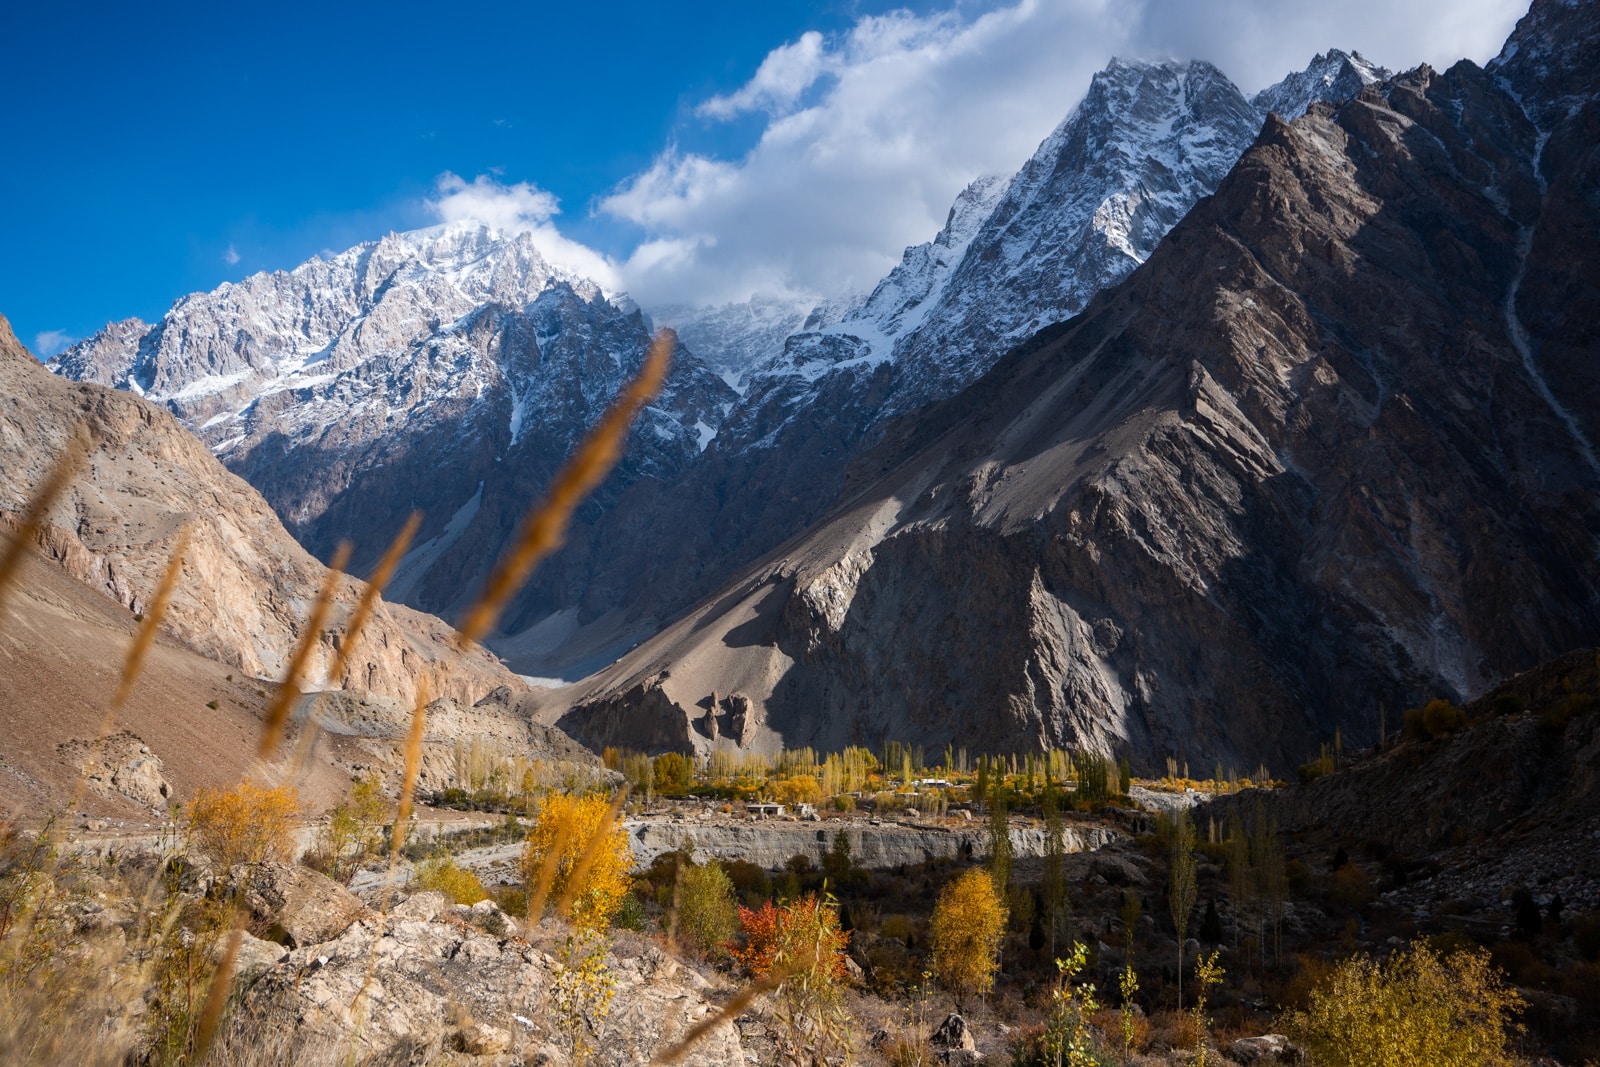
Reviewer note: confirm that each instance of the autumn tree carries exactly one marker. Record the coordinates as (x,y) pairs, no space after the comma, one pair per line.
(1413,1008)
(558,859)
(1182,890)
(801,946)
(245,824)
(708,916)
(969,922)
(672,773)
(353,831)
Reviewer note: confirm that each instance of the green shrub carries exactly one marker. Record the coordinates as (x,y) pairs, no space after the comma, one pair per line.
(456,882)
(1436,718)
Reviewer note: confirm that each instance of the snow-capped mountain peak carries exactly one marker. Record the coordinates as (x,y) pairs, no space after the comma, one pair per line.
(1333,75)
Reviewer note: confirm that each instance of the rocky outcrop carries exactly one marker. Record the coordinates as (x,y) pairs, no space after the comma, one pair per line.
(1511,799)
(424,989)
(1306,464)
(121,764)
(296,904)
(875,844)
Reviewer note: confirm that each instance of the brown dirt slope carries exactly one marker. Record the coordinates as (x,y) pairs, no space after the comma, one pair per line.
(246,586)
(239,609)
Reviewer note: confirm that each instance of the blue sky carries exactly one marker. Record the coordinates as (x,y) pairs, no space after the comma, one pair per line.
(697,154)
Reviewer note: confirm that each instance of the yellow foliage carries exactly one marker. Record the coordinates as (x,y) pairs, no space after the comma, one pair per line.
(245,824)
(455,882)
(1413,1008)
(801,789)
(566,825)
(969,921)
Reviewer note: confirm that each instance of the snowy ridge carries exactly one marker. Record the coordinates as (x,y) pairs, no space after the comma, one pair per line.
(446,370)
(1147,141)
(1332,76)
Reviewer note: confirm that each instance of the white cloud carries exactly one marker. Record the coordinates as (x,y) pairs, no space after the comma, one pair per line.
(231,256)
(870,134)
(519,208)
(788,71)
(49,343)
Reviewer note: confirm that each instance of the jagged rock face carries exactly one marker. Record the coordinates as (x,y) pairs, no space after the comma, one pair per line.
(247,586)
(340,389)
(1306,464)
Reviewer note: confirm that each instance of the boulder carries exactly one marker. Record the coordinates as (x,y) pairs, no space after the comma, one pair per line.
(953,1033)
(479,1039)
(1268,1048)
(960,1057)
(297,905)
(421,907)
(254,958)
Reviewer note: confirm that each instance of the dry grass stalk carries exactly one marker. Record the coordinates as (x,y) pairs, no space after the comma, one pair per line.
(731,1010)
(408,784)
(591,851)
(376,584)
(289,688)
(545,526)
(547,874)
(217,995)
(44,498)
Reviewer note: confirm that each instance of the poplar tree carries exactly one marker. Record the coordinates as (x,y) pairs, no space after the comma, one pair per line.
(1053,882)
(1182,890)
(999,845)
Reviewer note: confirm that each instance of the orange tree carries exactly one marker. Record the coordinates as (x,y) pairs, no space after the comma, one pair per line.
(558,847)
(245,824)
(968,924)
(800,947)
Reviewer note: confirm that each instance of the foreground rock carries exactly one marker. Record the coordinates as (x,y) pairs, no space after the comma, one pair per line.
(296,904)
(413,990)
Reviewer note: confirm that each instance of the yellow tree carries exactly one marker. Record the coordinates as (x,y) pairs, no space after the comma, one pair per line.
(1413,1008)
(558,862)
(969,922)
(245,824)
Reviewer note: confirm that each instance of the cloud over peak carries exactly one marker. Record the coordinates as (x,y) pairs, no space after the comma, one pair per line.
(520,207)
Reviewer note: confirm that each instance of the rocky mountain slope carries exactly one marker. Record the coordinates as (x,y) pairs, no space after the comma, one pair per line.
(247,585)
(1512,799)
(1307,463)
(238,610)
(340,390)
